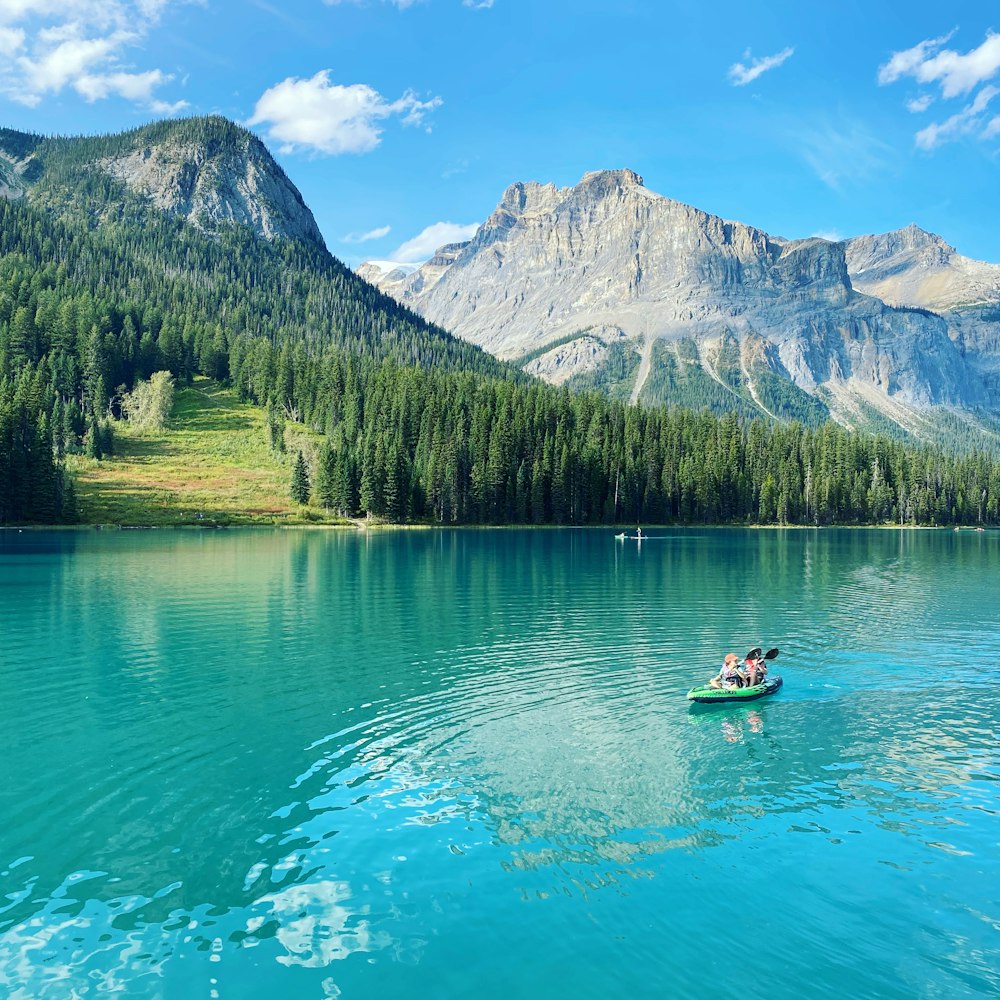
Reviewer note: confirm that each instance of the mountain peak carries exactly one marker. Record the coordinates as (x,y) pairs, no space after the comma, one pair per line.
(607,181)
(869,251)
(212,171)
(208,171)
(912,267)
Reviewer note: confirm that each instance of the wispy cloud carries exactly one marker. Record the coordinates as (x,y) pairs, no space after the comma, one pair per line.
(459,167)
(423,245)
(955,74)
(969,121)
(404,4)
(843,152)
(51,46)
(372,234)
(908,62)
(401,4)
(741,74)
(323,117)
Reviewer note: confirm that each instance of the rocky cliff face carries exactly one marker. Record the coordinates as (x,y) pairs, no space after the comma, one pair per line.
(209,172)
(563,275)
(11,185)
(911,267)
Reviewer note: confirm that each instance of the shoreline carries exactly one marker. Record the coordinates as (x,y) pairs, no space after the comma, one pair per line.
(361,525)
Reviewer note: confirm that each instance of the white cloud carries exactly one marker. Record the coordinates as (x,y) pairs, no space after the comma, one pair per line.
(423,245)
(965,122)
(992,128)
(831,235)
(957,73)
(919,104)
(324,117)
(69,60)
(372,234)
(478,4)
(11,39)
(741,75)
(907,63)
(167,108)
(136,87)
(83,45)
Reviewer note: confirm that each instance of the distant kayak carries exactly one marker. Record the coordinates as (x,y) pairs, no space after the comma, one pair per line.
(709,695)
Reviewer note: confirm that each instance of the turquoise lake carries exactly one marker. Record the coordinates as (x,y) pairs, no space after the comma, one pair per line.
(460,764)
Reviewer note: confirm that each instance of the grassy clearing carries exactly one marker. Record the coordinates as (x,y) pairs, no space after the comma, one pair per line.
(211,465)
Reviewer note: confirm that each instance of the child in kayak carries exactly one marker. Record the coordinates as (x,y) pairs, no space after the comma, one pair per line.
(755,669)
(730,676)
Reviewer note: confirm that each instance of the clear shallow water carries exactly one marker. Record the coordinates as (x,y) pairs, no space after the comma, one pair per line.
(314,764)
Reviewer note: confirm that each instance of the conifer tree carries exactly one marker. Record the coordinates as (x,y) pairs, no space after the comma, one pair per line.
(300,480)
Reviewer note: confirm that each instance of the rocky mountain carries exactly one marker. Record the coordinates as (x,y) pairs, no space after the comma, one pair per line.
(206,171)
(911,267)
(607,283)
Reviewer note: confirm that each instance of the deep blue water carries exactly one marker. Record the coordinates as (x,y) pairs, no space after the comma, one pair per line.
(450,764)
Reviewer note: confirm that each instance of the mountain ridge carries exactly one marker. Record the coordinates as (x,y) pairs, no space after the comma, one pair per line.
(624,268)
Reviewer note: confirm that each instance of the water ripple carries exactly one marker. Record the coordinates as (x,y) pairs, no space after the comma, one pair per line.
(364,761)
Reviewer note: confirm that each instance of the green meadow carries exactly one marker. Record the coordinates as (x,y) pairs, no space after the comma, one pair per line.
(211,465)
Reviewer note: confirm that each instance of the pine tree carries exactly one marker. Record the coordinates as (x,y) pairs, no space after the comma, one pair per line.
(300,480)
(92,444)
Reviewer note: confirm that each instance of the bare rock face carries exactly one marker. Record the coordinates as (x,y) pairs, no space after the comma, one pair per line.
(15,158)
(608,254)
(218,182)
(914,268)
(11,185)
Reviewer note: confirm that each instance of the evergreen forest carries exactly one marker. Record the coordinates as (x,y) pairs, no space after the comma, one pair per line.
(99,291)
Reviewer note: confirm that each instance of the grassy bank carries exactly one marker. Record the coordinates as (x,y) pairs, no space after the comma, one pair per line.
(211,465)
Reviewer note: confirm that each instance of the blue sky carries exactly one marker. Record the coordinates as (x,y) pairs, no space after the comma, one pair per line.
(402,121)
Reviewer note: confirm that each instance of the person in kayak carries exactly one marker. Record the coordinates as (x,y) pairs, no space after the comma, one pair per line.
(730,676)
(755,668)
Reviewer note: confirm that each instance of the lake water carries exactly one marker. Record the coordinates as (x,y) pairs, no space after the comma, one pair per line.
(460,764)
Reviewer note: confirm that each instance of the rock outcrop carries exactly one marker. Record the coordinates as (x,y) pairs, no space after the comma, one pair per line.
(209,172)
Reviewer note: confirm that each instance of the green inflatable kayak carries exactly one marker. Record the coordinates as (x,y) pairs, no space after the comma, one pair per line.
(712,696)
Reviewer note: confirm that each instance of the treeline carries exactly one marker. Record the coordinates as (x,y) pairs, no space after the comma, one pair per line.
(456,447)
(33,483)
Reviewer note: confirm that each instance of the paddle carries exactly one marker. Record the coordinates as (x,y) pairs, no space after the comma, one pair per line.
(755,653)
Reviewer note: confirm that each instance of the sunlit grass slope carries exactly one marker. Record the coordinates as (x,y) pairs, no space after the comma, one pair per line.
(211,464)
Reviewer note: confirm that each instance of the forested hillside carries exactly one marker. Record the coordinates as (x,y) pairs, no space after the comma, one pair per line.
(100,289)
